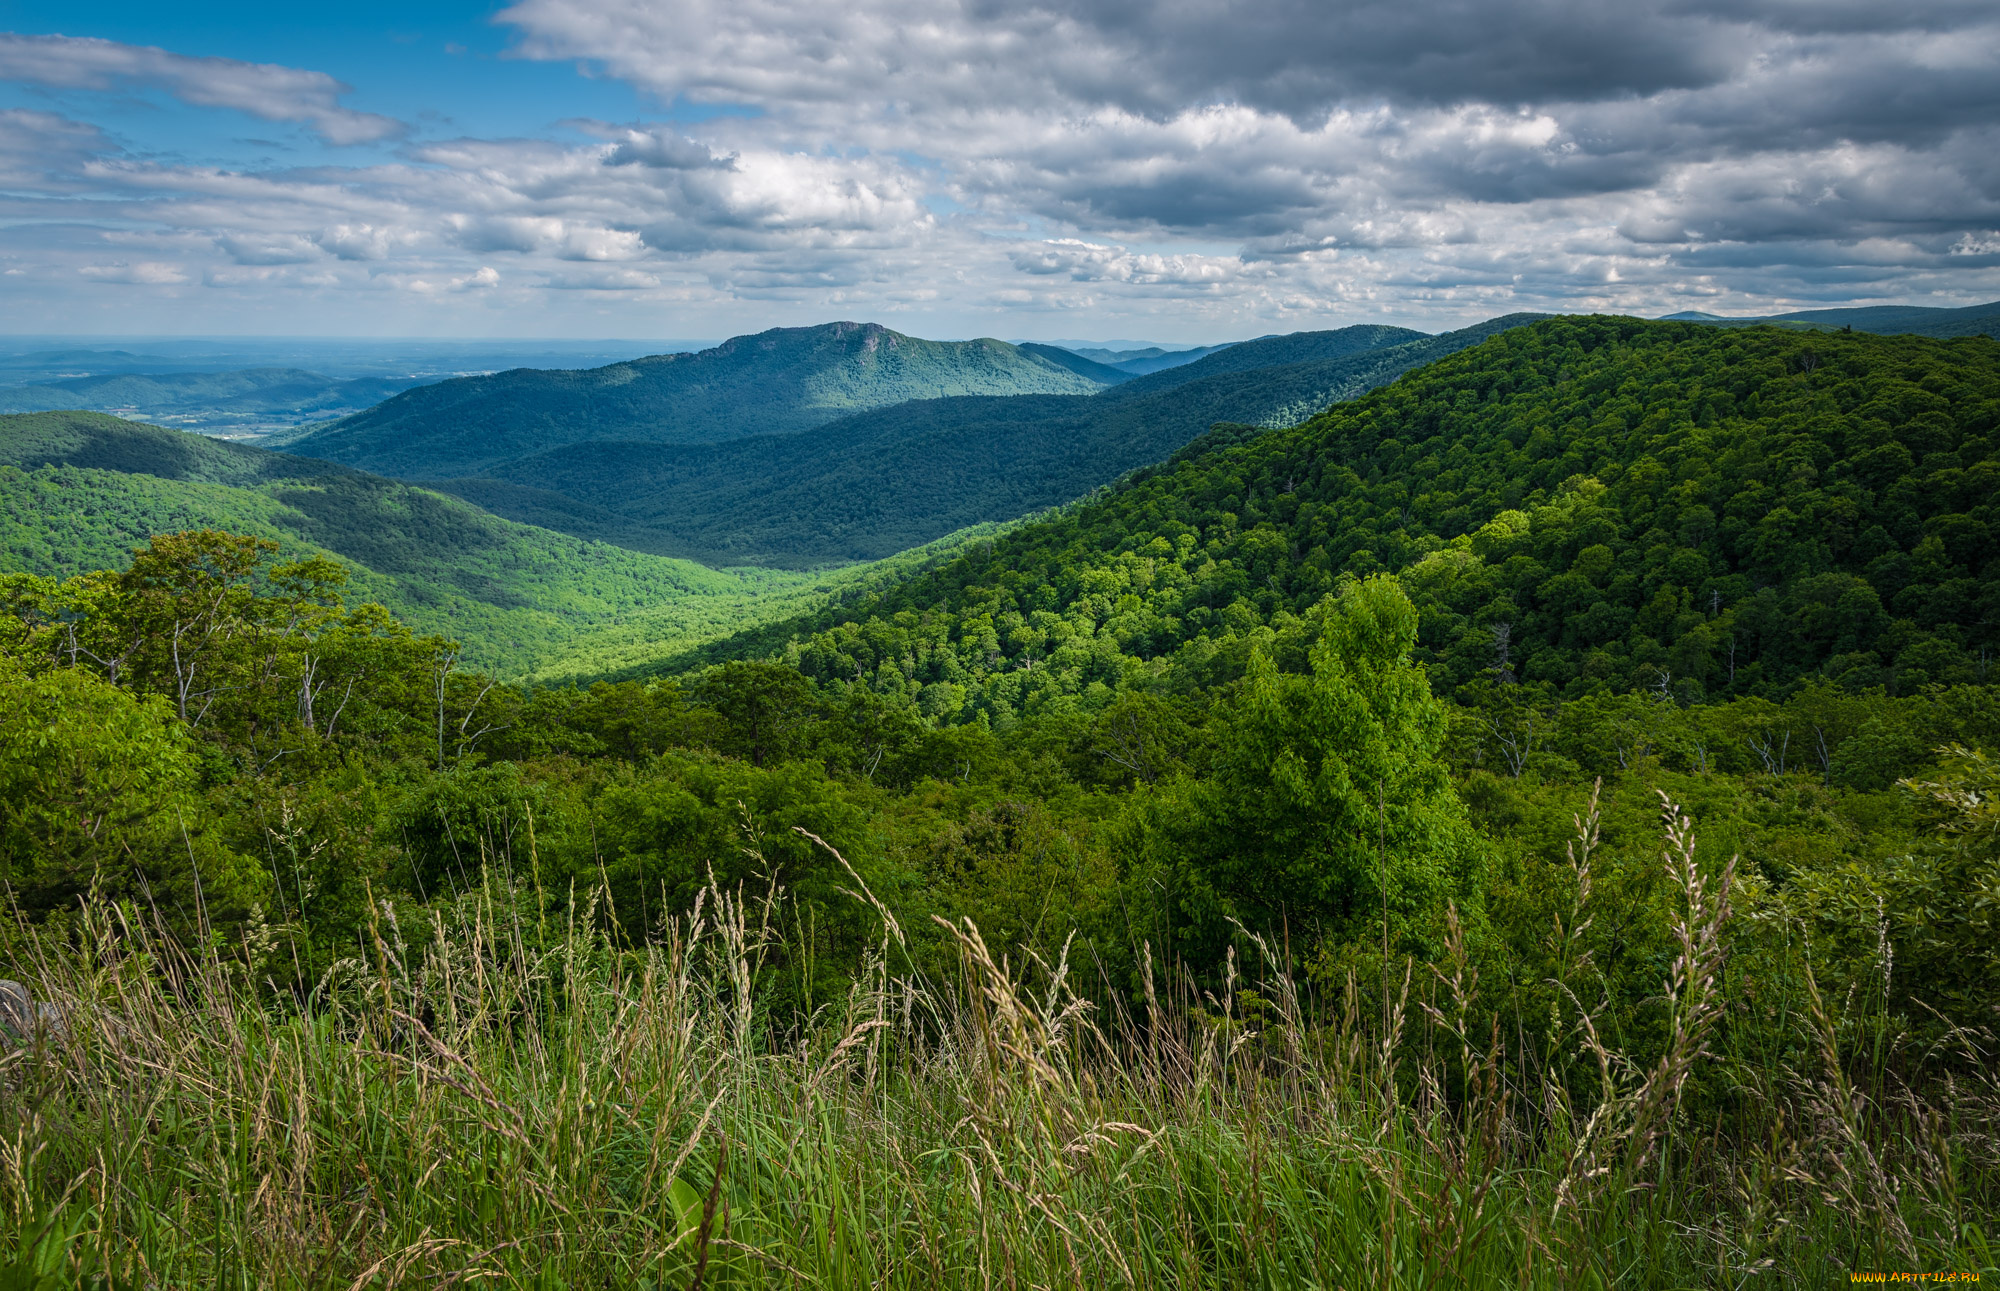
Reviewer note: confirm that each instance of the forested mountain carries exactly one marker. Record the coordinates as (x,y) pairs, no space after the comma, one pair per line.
(1579,505)
(1910,320)
(79,491)
(776,382)
(865,486)
(288,391)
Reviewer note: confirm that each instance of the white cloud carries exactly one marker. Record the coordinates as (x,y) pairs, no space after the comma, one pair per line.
(1412,124)
(264,90)
(482,279)
(360,241)
(148,273)
(268,248)
(44,151)
(606,279)
(1089,262)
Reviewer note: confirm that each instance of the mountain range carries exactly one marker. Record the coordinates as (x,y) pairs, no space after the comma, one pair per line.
(781,381)
(691,456)
(1139,362)
(866,486)
(1900,320)
(209,398)
(615,522)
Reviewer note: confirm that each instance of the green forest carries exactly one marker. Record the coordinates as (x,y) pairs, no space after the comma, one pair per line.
(1532,823)
(78,491)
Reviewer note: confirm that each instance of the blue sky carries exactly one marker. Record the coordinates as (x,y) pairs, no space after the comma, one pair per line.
(440,67)
(1183,171)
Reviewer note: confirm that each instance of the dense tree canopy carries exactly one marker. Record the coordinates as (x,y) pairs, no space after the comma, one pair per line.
(1581,505)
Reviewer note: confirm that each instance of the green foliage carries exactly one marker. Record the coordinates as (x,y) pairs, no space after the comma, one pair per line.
(1923,929)
(484,1072)
(99,793)
(764,709)
(1329,810)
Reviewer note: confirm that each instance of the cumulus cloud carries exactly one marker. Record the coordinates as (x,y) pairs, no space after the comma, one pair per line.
(1231,168)
(666,149)
(1083,261)
(263,90)
(1366,123)
(360,241)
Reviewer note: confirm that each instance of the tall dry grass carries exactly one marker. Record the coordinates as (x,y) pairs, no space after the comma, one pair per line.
(482,1099)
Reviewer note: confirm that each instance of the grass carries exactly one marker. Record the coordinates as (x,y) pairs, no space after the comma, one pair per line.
(493,1092)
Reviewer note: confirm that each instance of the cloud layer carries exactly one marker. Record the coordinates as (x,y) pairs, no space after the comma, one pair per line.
(263,90)
(1209,168)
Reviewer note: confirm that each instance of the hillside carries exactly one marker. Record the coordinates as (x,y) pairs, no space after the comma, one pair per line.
(1580,504)
(866,486)
(782,381)
(78,491)
(1887,320)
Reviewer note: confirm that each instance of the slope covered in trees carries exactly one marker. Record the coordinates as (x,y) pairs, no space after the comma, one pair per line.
(780,381)
(1580,505)
(875,483)
(79,491)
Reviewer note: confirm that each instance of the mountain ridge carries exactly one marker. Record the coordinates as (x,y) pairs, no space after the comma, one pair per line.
(1884,320)
(773,382)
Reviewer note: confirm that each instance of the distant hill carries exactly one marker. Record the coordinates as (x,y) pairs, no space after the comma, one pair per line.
(1888,320)
(1151,359)
(251,390)
(872,484)
(778,382)
(100,442)
(1105,374)
(79,490)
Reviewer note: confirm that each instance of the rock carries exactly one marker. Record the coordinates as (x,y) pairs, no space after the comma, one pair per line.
(20,1014)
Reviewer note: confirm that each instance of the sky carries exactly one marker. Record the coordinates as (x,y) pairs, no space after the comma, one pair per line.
(1182,170)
